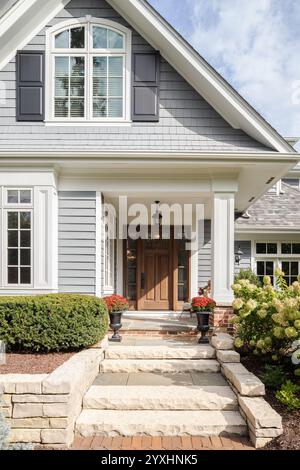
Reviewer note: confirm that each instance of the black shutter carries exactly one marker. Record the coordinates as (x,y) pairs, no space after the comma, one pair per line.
(30,85)
(145,86)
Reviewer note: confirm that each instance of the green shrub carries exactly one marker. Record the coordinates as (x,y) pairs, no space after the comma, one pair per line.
(273,377)
(267,318)
(288,395)
(248,274)
(52,322)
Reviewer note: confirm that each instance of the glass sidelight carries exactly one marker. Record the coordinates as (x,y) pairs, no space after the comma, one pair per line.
(183,271)
(131,254)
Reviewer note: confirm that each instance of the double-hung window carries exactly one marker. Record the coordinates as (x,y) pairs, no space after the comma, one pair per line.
(283,255)
(18,223)
(90,72)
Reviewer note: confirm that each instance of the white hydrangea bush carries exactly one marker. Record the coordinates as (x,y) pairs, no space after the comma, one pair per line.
(267,318)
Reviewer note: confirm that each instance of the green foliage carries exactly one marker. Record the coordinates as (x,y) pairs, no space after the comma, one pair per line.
(249,275)
(267,318)
(288,395)
(52,322)
(273,377)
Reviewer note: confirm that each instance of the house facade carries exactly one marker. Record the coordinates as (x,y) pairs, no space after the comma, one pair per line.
(107,119)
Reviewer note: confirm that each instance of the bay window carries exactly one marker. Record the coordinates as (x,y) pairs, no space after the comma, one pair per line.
(89,72)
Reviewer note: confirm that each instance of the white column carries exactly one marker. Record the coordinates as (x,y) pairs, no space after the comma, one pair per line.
(98,291)
(223,247)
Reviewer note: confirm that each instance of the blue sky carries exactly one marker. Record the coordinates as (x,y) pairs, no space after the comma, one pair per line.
(254,44)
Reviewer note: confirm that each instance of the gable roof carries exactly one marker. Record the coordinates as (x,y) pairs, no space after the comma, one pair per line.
(273,212)
(33,15)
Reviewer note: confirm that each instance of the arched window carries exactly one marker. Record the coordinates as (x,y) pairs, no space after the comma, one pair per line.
(89,65)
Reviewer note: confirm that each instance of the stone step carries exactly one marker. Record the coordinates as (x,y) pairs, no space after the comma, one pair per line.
(160,423)
(161,352)
(164,366)
(160,398)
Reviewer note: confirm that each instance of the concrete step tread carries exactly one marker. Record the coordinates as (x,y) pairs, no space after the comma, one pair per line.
(155,423)
(156,365)
(173,351)
(160,398)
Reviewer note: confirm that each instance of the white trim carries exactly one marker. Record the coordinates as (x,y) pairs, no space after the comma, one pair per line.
(120,273)
(88,52)
(98,274)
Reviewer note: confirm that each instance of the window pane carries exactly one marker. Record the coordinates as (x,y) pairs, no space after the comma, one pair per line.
(269,268)
(260,268)
(62,40)
(12,220)
(12,196)
(261,248)
(61,66)
(100,66)
(25,220)
(62,87)
(77,107)
(25,238)
(286,248)
(294,269)
(25,258)
(115,87)
(272,248)
(77,38)
(12,275)
(12,257)
(99,37)
(61,107)
(12,238)
(100,108)
(77,66)
(115,108)
(296,248)
(25,276)
(25,196)
(115,66)
(115,40)
(286,268)
(77,86)
(100,87)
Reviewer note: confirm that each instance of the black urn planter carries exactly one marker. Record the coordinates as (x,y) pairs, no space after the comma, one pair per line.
(115,324)
(203,326)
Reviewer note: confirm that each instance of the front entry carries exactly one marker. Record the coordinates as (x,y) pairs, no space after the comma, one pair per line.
(156,273)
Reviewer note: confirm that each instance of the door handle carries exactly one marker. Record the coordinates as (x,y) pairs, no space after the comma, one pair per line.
(143,281)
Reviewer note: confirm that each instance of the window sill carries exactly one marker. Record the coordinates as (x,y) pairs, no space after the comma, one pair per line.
(88,123)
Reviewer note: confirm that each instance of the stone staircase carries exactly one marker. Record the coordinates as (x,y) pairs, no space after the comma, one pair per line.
(170,389)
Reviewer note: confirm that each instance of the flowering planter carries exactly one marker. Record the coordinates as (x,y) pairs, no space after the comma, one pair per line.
(203,326)
(115,325)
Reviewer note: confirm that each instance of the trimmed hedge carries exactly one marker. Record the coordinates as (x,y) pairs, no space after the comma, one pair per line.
(55,322)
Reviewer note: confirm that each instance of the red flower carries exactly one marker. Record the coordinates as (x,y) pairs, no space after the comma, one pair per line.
(203,303)
(116,303)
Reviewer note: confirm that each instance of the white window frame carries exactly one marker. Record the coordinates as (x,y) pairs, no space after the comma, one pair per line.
(109,252)
(16,207)
(278,258)
(88,52)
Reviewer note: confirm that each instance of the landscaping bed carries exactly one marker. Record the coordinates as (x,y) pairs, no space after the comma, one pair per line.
(290,439)
(33,363)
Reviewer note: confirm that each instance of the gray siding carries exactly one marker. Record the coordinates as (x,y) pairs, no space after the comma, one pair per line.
(204,271)
(245,262)
(77,242)
(187,122)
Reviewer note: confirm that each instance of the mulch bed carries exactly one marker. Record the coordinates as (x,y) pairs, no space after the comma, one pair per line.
(290,439)
(33,363)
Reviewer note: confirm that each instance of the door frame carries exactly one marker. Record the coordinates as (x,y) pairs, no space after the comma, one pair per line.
(175,304)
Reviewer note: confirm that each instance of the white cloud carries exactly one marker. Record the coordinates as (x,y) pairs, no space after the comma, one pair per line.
(255,45)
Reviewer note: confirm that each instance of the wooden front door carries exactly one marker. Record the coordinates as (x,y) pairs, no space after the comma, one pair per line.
(156,275)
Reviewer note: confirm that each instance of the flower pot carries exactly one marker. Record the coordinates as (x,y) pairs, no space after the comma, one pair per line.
(115,324)
(203,326)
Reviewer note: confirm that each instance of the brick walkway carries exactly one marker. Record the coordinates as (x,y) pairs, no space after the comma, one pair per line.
(161,443)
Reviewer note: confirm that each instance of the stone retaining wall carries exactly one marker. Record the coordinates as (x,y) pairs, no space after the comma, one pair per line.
(42,409)
(263,422)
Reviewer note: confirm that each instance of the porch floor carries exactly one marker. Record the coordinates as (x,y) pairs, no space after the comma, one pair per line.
(161,322)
